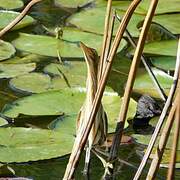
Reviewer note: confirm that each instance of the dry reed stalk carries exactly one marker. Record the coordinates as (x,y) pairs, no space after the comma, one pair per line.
(146,65)
(162,117)
(19,17)
(131,78)
(105,37)
(108,42)
(163,141)
(82,136)
(172,163)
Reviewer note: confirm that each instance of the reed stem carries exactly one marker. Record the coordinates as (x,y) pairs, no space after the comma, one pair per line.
(19,17)
(131,78)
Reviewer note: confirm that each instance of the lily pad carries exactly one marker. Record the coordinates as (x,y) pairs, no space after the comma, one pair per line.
(26,144)
(72,3)
(8,16)
(31,82)
(45,45)
(9,4)
(65,102)
(47,103)
(6,50)
(169,21)
(13,70)
(164,48)
(90,39)
(72,73)
(144,139)
(68,46)
(164,62)
(111,105)
(144,85)
(95,18)
(173,6)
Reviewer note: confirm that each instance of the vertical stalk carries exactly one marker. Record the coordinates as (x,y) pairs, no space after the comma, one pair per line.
(105,37)
(162,142)
(131,78)
(175,143)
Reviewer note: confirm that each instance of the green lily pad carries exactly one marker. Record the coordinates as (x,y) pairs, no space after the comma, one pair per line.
(164,62)
(45,45)
(9,4)
(47,103)
(164,48)
(95,18)
(144,85)
(6,50)
(68,46)
(72,73)
(8,16)
(169,21)
(66,102)
(3,121)
(111,106)
(31,82)
(144,139)
(72,3)
(29,58)
(173,6)
(121,5)
(26,144)
(90,39)
(13,70)
(166,157)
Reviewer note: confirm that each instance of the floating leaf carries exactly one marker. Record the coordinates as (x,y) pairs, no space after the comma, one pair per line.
(173,6)
(72,3)
(169,21)
(95,18)
(67,47)
(165,48)
(9,4)
(8,16)
(164,62)
(111,105)
(6,50)
(13,70)
(144,84)
(26,144)
(144,139)
(72,73)
(90,39)
(47,103)
(65,102)
(45,45)
(31,82)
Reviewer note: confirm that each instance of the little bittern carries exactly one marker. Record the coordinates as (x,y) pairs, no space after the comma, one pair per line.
(98,132)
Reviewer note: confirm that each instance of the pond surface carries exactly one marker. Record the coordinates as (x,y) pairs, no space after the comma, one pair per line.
(49,17)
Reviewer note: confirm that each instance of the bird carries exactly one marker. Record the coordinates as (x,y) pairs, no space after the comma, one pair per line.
(99,129)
